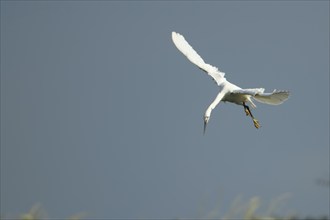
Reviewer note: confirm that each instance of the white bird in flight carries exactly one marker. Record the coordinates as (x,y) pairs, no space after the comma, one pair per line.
(228,91)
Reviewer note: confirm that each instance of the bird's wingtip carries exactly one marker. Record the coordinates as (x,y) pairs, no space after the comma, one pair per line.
(173,35)
(176,34)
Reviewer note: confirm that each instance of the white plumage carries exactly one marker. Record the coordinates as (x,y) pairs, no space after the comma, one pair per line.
(228,91)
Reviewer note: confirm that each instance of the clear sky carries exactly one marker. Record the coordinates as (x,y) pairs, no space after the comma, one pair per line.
(100,113)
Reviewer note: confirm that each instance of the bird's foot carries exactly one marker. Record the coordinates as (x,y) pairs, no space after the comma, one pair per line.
(247,112)
(256,123)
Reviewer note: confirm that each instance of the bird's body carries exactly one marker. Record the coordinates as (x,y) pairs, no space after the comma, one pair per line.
(228,92)
(231,96)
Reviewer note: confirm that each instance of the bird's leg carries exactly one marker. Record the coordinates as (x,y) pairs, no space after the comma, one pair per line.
(248,112)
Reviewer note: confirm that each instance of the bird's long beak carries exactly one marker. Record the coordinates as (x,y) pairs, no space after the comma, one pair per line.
(205,123)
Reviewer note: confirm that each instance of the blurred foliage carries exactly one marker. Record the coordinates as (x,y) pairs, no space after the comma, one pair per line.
(250,210)
(37,213)
(238,211)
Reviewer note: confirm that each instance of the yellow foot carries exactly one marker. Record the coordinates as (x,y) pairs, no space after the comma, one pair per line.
(247,112)
(256,123)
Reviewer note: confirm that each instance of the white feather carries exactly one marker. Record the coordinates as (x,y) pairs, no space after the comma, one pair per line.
(251,92)
(183,46)
(274,98)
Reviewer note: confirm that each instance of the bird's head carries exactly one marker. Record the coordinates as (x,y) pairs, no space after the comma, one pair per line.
(206,120)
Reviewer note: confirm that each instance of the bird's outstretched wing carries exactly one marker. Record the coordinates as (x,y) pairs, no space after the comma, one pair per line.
(182,45)
(251,92)
(272,98)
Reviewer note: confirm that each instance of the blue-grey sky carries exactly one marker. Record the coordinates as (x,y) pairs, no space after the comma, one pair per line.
(100,113)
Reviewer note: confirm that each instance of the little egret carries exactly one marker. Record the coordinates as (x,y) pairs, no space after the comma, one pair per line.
(228,91)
